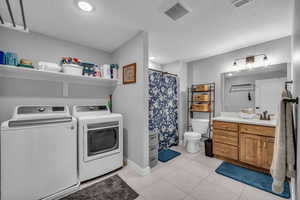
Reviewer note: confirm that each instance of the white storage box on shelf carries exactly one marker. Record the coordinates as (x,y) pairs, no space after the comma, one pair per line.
(72,69)
(48,67)
(106,71)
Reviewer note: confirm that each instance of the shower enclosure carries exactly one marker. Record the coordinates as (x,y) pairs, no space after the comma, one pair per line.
(163,108)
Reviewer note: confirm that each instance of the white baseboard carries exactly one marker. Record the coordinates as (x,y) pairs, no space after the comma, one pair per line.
(293,189)
(141,171)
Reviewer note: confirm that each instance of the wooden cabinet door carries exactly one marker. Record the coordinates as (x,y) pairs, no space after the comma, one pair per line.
(268,148)
(251,149)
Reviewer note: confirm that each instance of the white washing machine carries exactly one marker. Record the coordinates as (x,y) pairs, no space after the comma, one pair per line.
(39,153)
(100,140)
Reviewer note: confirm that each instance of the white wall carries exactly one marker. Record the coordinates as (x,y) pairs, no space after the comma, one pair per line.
(131,100)
(38,47)
(210,69)
(180,68)
(296,66)
(155,66)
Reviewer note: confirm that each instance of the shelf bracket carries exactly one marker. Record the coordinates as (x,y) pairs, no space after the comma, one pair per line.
(65,89)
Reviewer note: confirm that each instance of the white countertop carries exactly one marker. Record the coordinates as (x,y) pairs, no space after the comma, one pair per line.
(238,119)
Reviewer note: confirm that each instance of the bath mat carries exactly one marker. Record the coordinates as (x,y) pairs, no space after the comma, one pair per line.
(167,154)
(113,188)
(256,179)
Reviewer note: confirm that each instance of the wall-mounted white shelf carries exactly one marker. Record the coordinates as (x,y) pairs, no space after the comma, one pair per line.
(34,74)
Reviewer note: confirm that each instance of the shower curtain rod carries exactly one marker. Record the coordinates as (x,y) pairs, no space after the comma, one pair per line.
(156,70)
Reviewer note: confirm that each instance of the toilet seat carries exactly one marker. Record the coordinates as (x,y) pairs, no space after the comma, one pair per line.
(192,135)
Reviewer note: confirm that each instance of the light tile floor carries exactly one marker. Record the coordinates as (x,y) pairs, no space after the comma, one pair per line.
(188,177)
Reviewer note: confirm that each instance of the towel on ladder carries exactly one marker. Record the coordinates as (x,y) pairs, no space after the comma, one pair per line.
(283,163)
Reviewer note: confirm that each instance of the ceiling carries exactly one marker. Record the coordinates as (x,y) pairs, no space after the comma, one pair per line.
(213,26)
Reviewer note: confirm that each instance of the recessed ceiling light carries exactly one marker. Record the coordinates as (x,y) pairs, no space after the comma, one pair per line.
(151,58)
(85,6)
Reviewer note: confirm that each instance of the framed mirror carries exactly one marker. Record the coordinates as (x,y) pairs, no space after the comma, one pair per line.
(257,89)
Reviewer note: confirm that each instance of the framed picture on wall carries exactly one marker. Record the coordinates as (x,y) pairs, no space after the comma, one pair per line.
(129,74)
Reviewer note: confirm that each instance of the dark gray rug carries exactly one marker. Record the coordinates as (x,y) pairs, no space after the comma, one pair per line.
(113,188)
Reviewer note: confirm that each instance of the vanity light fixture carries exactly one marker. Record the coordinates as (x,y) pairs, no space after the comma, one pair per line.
(85,6)
(266,61)
(250,62)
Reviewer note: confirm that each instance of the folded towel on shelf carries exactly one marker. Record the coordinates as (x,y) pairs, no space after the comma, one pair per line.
(48,66)
(283,163)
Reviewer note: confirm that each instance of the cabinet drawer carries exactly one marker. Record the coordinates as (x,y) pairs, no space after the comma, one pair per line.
(257,130)
(225,150)
(226,137)
(227,126)
(153,140)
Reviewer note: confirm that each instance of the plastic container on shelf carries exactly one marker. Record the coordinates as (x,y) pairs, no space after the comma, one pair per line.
(89,69)
(11,59)
(24,61)
(2,56)
(97,71)
(72,69)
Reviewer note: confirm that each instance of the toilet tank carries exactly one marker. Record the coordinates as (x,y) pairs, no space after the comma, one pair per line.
(200,125)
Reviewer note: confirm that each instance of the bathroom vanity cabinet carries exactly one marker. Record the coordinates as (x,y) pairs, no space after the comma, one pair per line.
(244,144)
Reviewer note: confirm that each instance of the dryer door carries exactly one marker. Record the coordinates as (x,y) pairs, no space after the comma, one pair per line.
(101,140)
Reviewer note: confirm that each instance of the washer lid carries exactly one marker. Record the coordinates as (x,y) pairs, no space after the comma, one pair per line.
(29,112)
(40,109)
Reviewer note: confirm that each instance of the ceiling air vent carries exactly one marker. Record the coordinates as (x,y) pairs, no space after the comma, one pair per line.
(177,11)
(239,3)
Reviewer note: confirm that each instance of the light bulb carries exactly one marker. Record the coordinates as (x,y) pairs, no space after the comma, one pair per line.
(85,6)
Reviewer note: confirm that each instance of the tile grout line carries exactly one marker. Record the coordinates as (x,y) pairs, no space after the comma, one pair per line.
(240,196)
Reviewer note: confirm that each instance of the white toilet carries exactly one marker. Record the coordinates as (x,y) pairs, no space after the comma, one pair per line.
(192,139)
